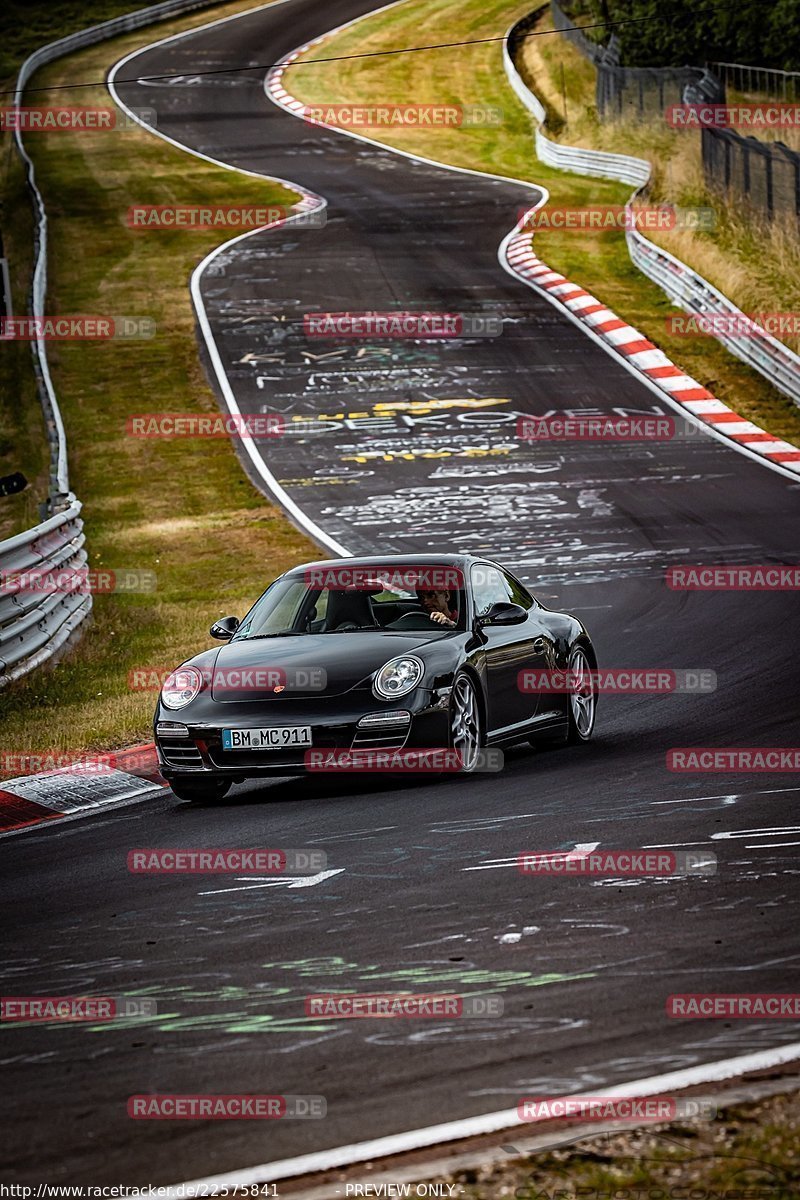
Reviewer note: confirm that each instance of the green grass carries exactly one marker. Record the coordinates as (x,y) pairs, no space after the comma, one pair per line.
(183,508)
(27,24)
(598,261)
(23,447)
(23,439)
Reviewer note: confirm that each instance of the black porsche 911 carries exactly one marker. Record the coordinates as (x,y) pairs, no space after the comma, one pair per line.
(360,663)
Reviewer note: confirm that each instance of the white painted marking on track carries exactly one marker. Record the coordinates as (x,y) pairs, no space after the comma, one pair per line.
(693,799)
(764,831)
(433,1135)
(294,881)
(271,483)
(581,848)
(771,845)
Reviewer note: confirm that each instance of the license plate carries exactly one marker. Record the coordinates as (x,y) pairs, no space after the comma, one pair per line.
(281,737)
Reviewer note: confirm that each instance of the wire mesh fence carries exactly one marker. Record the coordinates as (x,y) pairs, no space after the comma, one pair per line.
(639,93)
(759,81)
(765,175)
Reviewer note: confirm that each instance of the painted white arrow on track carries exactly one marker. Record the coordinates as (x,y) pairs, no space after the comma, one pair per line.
(289,881)
(495,863)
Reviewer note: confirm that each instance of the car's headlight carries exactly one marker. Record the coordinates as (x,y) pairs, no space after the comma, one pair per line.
(181,687)
(398,677)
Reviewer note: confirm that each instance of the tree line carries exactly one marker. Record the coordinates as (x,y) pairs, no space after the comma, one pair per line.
(762,33)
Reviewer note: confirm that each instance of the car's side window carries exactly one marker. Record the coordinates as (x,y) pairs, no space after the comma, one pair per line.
(517,594)
(315,618)
(488,588)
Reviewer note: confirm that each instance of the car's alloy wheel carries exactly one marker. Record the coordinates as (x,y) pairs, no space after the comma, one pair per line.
(583,699)
(200,789)
(465,723)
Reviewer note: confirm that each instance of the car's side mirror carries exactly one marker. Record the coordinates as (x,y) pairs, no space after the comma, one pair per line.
(224,630)
(503,613)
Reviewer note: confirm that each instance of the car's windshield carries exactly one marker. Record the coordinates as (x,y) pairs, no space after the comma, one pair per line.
(355,600)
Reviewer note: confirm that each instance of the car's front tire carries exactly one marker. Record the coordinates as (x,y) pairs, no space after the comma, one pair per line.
(466,731)
(200,789)
(583,700)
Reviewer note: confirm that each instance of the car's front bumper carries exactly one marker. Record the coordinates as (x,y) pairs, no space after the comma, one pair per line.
(194,747)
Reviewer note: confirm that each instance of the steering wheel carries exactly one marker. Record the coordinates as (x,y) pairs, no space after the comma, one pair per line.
(412,620)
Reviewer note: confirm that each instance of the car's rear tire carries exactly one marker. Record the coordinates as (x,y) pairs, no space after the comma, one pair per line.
(583,701)
(200,789)
(466,729)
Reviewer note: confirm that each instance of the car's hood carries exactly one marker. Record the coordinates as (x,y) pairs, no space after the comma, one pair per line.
(310,665)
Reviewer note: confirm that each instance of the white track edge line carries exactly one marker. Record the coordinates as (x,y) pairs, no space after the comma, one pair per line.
(611,350)
(651,384)
(491,1122)
(432,1135)
(280,495)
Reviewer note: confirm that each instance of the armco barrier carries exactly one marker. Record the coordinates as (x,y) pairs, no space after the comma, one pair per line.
(694,294)
(32,625)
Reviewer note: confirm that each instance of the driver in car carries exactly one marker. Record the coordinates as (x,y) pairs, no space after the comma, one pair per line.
(437,605)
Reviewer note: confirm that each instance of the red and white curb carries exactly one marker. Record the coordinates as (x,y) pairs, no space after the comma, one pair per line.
(79,789)
(631,345)
(616,336)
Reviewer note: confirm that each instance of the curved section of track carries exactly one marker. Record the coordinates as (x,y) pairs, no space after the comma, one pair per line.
(411,450)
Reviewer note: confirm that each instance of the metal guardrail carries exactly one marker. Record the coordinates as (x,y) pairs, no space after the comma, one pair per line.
(33,625)
(35,622)
(694,294)
(768,81)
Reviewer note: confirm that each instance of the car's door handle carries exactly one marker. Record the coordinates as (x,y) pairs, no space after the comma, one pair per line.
(540,643)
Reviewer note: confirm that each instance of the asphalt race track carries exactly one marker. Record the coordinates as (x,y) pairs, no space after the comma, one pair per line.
(583,966)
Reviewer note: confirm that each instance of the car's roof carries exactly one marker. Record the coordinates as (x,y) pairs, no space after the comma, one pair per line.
(389,560)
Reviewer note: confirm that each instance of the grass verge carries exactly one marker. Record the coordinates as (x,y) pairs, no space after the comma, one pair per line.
(752,261)
(183,508)
(23,446)
(749,1151)
(474,74)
